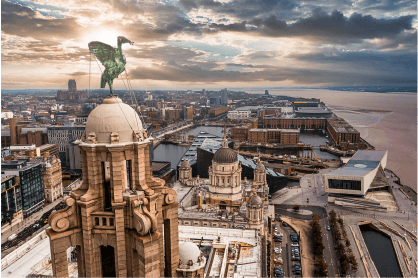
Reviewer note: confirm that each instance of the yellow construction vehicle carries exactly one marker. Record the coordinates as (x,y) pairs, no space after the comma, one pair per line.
(315,159)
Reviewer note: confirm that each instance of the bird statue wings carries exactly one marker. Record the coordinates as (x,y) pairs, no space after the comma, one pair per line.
(112,59)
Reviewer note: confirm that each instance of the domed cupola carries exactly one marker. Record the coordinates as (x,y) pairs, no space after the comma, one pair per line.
(113,122)
(225,154)
(191,260)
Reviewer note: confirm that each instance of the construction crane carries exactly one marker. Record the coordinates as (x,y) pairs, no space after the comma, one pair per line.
(316,159)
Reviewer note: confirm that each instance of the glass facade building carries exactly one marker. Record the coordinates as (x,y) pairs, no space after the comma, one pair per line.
(31,184)
(11,199)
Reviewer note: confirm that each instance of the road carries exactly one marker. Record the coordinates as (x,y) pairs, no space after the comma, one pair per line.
(329,251)
(29,221)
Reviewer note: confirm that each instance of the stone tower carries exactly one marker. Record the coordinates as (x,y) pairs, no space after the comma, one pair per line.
(255,213)
(185,171)
(114,218)
(260,174)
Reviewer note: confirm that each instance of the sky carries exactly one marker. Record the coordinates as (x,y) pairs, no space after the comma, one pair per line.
(196,44)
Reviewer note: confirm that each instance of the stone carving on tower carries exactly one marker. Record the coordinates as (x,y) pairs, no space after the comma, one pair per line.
(115,217)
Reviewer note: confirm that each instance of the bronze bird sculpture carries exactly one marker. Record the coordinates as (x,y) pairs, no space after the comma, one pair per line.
(112,59)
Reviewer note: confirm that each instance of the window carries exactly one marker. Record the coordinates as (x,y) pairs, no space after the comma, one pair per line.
(128,174)
(344,184)
(96,220)
(111,222)
(104,221)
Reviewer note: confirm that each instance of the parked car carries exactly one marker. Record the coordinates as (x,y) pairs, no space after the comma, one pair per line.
(278,261)
(328,228)
(295,244)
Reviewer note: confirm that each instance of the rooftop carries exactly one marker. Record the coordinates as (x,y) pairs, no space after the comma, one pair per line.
(361,163)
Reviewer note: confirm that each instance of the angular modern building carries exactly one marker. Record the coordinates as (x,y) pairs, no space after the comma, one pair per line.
(360,175)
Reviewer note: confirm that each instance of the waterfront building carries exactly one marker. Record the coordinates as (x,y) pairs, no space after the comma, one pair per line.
(363,173)
(115,218)
(343,134)
(291,123)
(313,112)
(280,136)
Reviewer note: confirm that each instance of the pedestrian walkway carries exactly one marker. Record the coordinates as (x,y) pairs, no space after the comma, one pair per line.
(377,216)
(28,221)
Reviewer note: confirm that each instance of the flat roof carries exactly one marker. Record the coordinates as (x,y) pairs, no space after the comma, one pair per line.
(254,107)
(360,164)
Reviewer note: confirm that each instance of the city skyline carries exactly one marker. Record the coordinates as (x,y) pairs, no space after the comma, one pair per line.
(211,44)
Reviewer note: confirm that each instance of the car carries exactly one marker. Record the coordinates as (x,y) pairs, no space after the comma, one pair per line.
(277,250)
(295,244)
(278,274)
(284,224)
(328,228)
(278,261)
(278,269)
(296,265)
(297,272)
(278,234)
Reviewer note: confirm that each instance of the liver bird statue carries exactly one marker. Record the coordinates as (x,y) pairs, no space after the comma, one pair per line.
(112,58)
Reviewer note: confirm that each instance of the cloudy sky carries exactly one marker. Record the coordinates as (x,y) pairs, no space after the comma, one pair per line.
(211,44)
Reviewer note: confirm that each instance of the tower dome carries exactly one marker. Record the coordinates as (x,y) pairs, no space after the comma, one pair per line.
(225,154)
(188,251)
(255,200)
(113,116)
(260,167)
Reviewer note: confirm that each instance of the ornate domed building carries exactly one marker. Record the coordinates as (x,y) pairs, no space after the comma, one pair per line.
(225,177)
(191,261)
(115,217)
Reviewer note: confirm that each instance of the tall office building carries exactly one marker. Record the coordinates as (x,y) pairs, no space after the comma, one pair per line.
(224,96)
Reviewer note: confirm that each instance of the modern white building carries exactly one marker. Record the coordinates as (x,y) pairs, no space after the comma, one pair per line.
(358,176)
(243,112)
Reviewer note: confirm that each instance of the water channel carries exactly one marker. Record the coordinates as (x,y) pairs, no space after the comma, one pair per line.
(173,153)
(381,251)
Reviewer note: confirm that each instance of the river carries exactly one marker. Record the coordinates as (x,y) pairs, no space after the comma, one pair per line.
(388,121)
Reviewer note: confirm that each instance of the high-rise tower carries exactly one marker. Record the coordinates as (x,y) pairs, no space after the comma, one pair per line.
(72,86)
(115,217)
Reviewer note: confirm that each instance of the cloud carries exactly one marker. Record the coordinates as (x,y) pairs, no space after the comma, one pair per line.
(25,22)
(321,26)
(177,73)
(78,73)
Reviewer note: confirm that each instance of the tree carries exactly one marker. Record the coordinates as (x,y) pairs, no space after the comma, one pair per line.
(296,207)
(345,266)
(321,267)
(352,260)
(347,242)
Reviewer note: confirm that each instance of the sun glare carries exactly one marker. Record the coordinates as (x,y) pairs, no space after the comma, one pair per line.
(105,36)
